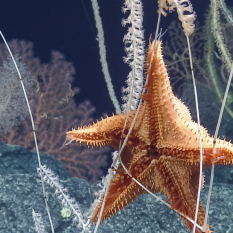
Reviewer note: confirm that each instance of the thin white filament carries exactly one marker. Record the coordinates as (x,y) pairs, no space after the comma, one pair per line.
(130,130)
(200,140)
(34,131)
(214,143)
(103,203)
(102,52)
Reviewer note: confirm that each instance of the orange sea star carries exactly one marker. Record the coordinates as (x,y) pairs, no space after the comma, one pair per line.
(162,152)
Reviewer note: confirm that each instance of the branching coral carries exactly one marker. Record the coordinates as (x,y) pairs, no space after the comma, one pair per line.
(54,112)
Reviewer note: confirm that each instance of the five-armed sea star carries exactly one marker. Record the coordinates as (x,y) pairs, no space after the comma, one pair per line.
(162,152)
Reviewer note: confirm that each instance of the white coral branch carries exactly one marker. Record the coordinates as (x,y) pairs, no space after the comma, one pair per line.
(62,195)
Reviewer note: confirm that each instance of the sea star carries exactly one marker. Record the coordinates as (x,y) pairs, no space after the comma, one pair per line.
(162,152)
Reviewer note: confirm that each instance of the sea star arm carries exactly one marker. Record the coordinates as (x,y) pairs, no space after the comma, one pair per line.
(178,180)
(123,190)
